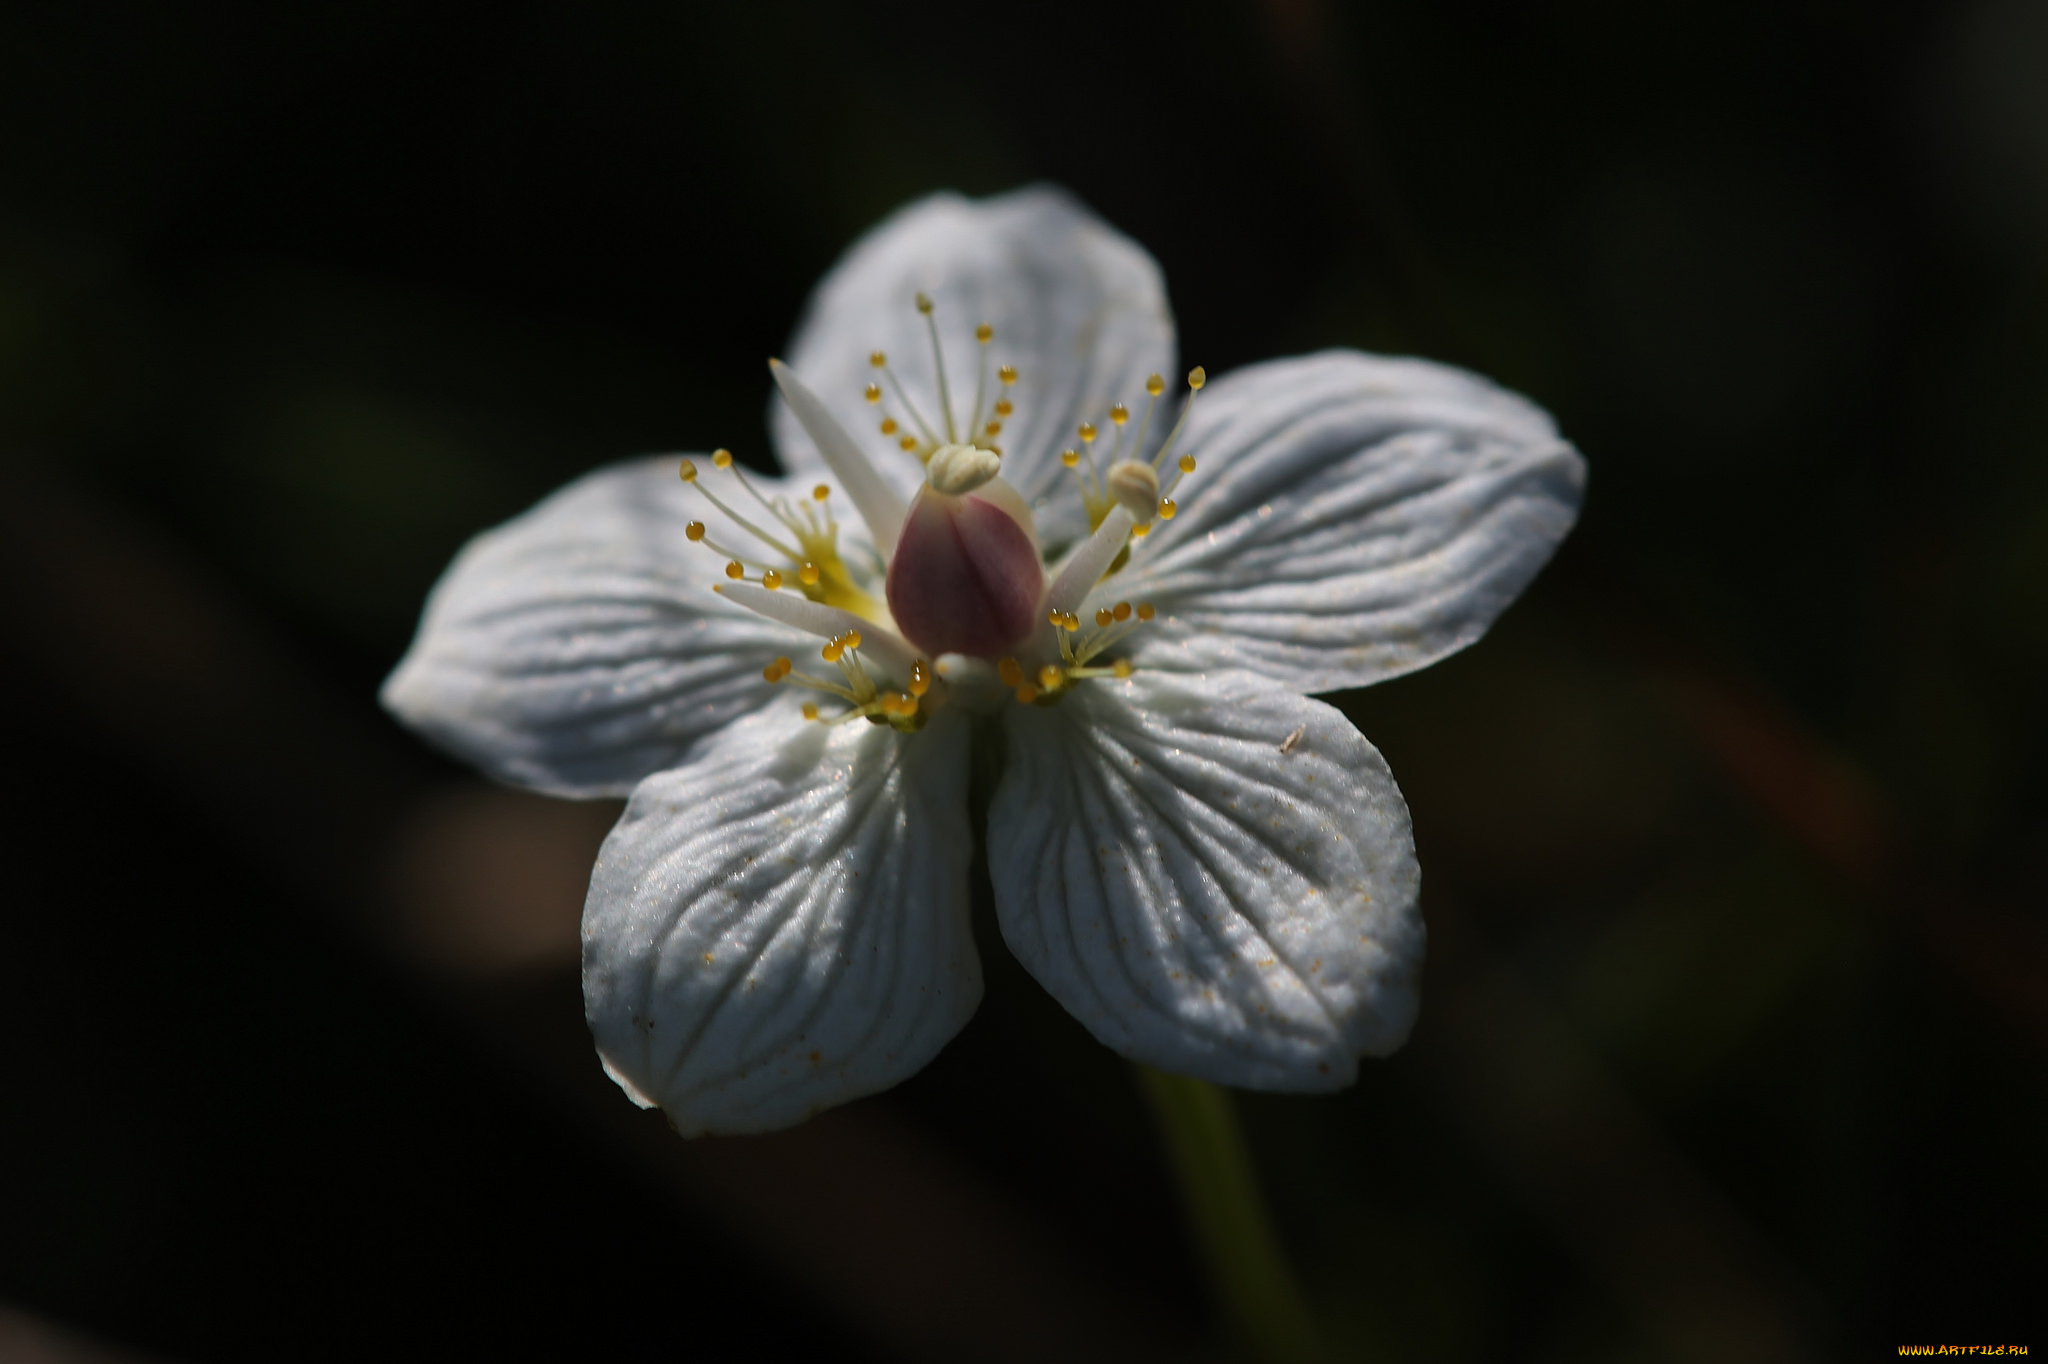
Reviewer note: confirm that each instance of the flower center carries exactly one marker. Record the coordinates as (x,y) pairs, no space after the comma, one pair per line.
(963,575)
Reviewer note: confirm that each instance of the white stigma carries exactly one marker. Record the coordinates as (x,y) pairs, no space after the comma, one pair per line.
(958,469)
(1136,489)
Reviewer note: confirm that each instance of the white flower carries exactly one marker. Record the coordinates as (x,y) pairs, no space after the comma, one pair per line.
(1211,871)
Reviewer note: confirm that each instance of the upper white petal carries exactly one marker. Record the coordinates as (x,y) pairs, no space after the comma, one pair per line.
(580,647)
(782,924)
(1203,894)
(1077,307)
(1352,518)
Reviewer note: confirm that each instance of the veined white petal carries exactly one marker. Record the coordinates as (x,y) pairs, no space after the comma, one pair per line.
(826,622)
(782,924)
(1216,876)
(878,503)
(579,647)
(1352,518)
(1077,307)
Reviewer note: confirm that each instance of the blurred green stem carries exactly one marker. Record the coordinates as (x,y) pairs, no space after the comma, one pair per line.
(1220,1193)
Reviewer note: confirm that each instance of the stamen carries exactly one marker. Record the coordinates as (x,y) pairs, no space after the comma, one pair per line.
(694,531)
(808,574)
(1196,378)
(771,580)
(1154,386)
(810,710)
(820,493)
(735,570)
(1010,671)
(983,334)
(931,326)
(881,362)
(723,459)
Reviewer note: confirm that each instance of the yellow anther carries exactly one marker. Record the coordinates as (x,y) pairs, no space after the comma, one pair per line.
(735,570)
(924,304)
(851,639)
(1086,431)
(833,648)
(1027,692)
(907,442)
(1167,507)
(1104,616)
(1197,377)
(1010,671)
(874,393)
(1072,622)
(1145,611)
(877,359)
(1050,676)
(689,471)
(1004,407)
(808,575)
(820,493)
(993,429)
(1070,458)
(695,530)
(771,580)
(888,426)
(1187,464)
(1155,385)
(1141,531)
(1007,373)
(722,458)
(810,710)
(920,678)
(905,705)
(984,333)
(1122,611)
(1122,667)
(1119,414)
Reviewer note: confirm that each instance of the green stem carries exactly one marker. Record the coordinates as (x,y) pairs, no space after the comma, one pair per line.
(1220,1194)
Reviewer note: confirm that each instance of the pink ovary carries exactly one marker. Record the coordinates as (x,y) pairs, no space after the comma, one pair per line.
(965,577)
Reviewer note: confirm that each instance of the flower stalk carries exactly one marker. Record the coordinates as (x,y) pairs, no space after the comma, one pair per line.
(1219,1192)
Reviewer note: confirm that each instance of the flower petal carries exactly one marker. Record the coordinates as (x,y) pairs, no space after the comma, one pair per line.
(1352,518)
(580,647)
(1214,875)
(1077,307)
(782,924)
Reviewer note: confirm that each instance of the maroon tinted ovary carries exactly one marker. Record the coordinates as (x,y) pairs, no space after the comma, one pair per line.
(965,578)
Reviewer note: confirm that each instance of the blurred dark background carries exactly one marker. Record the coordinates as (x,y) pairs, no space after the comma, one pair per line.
(1735,1040)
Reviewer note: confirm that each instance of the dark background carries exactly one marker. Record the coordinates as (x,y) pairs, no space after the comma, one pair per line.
(1735,1039)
